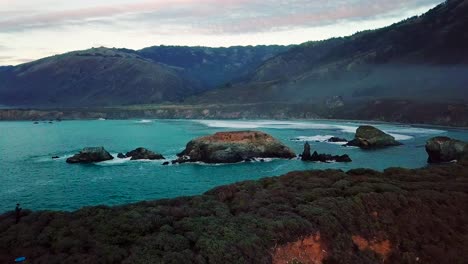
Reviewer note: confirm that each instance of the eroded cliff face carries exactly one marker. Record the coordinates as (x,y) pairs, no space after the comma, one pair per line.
(310,250)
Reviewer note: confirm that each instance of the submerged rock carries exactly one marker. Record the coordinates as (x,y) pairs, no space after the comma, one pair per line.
(322,157)
(337,140)
(55,157)
(232,147)
(368,137)
(90,155)
(142,153)
(445,149)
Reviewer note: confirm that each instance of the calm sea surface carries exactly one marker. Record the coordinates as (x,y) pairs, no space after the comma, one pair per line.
(28,174)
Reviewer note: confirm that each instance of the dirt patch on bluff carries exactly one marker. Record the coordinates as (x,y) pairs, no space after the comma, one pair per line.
(381,247)
(309,250)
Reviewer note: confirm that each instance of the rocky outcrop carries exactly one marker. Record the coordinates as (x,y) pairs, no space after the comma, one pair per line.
(232,147)
(144,154)
(337,140)
(445,149)
(368,137)
(90,155)
(306,153)
(306,156)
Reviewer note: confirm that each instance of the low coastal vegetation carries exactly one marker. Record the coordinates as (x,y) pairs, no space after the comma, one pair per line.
(331,216)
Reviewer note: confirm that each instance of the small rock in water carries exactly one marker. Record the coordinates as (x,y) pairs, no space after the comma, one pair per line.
(121,156)
(166,163)
(142,153)
(90,155)
(55,157)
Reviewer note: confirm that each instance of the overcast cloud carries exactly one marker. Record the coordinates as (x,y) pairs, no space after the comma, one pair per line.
(33,29)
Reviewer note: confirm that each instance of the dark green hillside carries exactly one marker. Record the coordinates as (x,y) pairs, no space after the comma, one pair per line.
(213,66)
(92,77)
(360,216)
(103,77)
(424,58)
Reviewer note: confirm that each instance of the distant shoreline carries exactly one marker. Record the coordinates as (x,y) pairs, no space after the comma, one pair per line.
(421,115)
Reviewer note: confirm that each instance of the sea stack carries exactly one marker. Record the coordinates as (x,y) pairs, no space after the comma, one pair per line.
(91,155)
(445,149)
(369,137)
(306,156)
(232,147)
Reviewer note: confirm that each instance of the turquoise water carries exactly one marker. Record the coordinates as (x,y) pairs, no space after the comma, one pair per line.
(29,176)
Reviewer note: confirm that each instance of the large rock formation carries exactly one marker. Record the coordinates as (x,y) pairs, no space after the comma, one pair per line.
(90,155)
(444,149)
(231,147)
(306,156)
(368,137)
(142,153)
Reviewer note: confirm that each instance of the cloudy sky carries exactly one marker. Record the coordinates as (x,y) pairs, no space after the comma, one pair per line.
(31,29)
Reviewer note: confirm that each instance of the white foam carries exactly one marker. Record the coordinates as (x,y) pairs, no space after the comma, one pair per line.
(115,161)
(401,137)
(320,138)
(264,124)
(399,132)
(145,121)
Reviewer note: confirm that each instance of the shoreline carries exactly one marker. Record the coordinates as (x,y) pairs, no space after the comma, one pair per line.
(372,122)
(394,111)
(260,220)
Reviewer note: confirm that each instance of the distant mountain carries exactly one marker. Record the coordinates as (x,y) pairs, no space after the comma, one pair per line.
(213,66)
(424,57)
(92,77)
(104,77)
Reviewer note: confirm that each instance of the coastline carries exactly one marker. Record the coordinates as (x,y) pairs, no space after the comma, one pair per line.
(329,207)
(287,112)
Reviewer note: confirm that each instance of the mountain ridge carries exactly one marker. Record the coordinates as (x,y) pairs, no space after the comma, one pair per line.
(423,56)
(109,76)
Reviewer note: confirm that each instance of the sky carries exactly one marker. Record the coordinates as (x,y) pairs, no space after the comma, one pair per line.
(32,29)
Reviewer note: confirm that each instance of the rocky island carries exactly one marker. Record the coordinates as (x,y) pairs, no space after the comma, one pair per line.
(232,147)
(445,149)
(90,155)
(369,137)
(143,154)
(306,156)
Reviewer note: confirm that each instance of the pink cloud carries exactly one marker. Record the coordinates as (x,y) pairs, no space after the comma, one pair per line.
(110,11)
(217,16)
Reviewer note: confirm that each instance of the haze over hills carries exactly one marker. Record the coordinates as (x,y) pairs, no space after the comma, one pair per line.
(104,77)
(422,57)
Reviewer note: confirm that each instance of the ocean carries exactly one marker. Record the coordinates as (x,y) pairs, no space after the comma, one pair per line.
(29,175)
